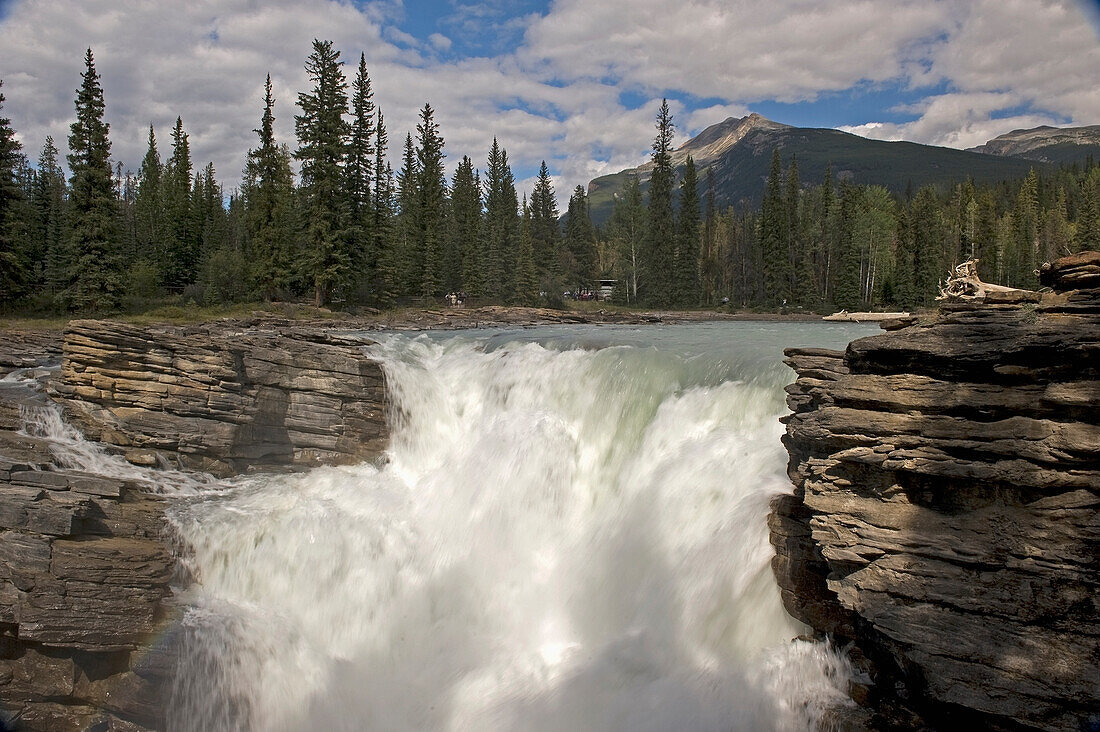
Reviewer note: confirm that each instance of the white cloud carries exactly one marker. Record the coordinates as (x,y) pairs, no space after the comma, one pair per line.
(440,41)
(558,95)
(742,50)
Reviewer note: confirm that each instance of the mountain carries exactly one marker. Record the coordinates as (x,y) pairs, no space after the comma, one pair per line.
(1056,145)
(740,150)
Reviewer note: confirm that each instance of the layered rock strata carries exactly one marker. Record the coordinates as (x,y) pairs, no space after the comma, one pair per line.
(223,400)
(946,513)
(84,588)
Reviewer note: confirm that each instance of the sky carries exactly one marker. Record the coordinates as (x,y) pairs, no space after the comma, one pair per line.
(574,82)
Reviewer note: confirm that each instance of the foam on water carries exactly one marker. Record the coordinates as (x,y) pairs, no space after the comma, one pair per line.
(561,539)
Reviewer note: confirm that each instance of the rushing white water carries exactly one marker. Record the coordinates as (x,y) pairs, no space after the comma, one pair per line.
(564,537)
(569,534)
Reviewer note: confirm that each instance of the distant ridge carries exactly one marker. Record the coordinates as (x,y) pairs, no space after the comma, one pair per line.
(739,151)
(1046,144)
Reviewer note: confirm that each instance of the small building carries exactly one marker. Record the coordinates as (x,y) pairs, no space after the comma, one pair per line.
(607,287)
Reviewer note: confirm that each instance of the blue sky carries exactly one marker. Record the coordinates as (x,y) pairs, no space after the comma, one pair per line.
(575,82)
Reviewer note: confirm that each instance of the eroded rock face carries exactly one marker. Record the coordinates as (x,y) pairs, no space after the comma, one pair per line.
(221,400)
(946,515)
(84,588)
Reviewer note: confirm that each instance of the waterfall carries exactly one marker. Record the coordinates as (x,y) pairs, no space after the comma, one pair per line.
(567,534)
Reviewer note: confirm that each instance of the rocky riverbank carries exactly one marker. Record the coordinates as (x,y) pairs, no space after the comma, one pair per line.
(85,569)
(87,560)
(946,513)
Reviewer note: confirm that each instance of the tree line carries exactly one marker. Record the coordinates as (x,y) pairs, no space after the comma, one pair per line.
(348,230)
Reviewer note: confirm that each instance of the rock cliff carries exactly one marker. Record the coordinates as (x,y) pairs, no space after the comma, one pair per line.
(946,512)
(223,400)
(86,561)
(84,589)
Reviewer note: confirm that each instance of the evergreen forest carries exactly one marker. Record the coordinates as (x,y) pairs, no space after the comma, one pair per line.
(329,220)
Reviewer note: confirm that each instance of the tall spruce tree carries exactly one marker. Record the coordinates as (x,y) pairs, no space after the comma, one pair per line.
(928,237)
(432,204)
(94,281)
(50,203)
(465,230)
(409,264)
(179,256)
(659,282)
(13,270)
(148,206)
(526,279)
(210,216)
(846,283)
(359,175)
(384,273)
(322,141)
(501,225)
(774,236)
(686,288)
(579,245)
(1087,234)
(545,231)
(268,206)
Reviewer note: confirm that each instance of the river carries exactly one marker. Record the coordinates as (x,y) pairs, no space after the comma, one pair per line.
(568,533)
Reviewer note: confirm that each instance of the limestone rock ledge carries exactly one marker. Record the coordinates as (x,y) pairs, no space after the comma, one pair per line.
(221,400)
(946,512)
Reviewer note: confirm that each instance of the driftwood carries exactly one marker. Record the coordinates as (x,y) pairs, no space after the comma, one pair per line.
(964,284)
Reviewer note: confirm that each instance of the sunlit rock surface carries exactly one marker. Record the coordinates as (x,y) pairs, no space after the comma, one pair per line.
(224,400)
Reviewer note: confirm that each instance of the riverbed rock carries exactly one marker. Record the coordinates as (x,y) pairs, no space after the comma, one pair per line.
(24,349)
(946,512)
(222,399)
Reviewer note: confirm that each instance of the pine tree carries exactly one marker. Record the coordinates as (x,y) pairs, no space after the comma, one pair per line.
(178,260)
(928,236)
(1057,235)
(579,244)
(322,141)
(465,230)
(432,194)
(687,240)
(359,175)
(210,216)
(846,281)
(662,225)
(50,202)
(774,237)
(409,265)
(13,270)
(148,207)
(1087,235)
(501,235)
(94,282)
(526,280)
(1021,258)
(384,276)
(268,206)
(545,231)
